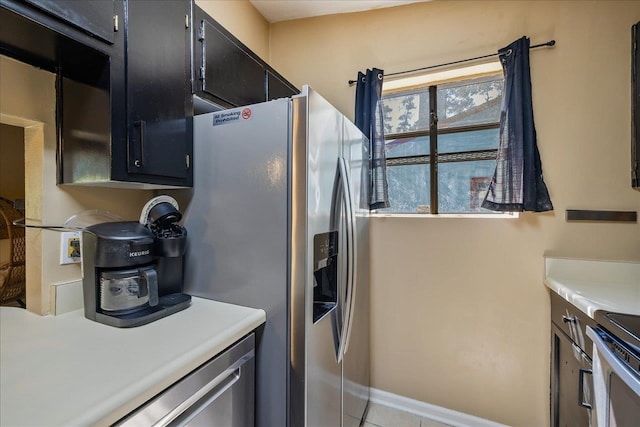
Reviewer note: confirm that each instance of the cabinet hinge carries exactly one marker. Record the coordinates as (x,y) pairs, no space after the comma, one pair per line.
(187,161)
(115,23)
(201,32)
(186,21)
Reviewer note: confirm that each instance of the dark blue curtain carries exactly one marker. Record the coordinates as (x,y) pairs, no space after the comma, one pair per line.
(369,120)
(517,183)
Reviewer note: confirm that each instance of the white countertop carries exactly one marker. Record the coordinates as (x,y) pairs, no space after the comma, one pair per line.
(595,285)
(69,371)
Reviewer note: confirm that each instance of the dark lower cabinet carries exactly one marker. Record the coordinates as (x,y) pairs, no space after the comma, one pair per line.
(571,377)
(570,384)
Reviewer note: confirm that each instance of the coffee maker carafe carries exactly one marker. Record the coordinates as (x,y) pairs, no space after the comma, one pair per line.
(133,271)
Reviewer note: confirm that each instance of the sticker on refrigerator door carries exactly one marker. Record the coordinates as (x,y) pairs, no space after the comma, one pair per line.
(224,117)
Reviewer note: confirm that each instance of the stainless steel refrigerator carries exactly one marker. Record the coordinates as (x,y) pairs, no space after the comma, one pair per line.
(278,219)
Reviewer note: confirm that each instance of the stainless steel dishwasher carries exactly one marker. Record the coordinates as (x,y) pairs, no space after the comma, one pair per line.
(220,393)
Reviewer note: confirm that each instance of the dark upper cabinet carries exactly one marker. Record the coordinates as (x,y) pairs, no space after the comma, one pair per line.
(124,104)
(278,87)
(127,70)
(635,106)
(95,17)
(54,34)
(158,72)
(228,73)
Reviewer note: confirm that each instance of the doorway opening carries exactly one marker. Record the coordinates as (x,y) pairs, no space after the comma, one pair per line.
(12,207)
(27,120)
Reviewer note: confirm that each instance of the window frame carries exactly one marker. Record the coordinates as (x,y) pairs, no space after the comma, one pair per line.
(433,132)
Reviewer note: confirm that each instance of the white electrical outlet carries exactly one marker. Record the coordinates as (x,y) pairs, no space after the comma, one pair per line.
(70,247)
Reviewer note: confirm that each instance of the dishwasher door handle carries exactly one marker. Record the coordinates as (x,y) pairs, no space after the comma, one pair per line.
(201,392)
(217,386)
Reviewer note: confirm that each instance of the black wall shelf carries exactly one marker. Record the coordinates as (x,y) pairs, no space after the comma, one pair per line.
(602,216)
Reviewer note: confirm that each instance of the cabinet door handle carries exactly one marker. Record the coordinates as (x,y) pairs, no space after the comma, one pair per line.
(569,319)
(141,125)
(582,372)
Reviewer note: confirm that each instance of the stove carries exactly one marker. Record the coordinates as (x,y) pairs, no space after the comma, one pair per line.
(616,368)
(624,326)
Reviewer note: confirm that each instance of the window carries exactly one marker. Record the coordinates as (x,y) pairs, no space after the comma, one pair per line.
(442,163)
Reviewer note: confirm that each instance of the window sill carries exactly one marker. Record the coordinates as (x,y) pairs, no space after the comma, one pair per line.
(510,215)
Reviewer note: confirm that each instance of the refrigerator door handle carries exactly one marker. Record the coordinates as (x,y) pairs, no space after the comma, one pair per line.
(353,256)
(344,187)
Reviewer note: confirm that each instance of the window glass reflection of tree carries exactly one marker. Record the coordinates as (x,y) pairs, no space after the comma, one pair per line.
(468,129)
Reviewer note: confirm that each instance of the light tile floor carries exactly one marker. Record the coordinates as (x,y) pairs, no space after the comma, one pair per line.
(383,416)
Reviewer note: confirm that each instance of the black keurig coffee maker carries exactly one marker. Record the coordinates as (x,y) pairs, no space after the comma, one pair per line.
(161,217)
(133,270)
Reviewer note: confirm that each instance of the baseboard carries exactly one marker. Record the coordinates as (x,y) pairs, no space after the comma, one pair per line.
(427,410)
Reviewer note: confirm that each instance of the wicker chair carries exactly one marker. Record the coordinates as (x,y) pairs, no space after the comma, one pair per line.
(12,273)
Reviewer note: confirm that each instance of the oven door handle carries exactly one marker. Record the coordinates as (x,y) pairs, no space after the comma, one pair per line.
(614,363)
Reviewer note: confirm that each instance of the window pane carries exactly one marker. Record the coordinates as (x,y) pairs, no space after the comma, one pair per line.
(468,141)
(469,104)
(462,185)
(408,188)
(407,147)
(404,113)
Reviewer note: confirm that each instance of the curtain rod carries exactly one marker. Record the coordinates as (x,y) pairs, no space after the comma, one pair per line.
(550,43)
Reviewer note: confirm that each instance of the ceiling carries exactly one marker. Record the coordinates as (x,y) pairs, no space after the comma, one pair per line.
(283,10)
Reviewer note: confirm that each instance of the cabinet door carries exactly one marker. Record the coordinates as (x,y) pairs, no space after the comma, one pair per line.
(571,383)
(92,16)
(158,89)
(229,71)
(635,106)
(277,88)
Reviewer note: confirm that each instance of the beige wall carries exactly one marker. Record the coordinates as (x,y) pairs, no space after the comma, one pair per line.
(28,101)
(243,21)
(460,316)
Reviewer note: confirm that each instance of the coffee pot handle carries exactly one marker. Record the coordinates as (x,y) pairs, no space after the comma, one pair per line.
(151,279)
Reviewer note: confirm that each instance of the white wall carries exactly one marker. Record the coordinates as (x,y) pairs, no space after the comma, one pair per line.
(460,315)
